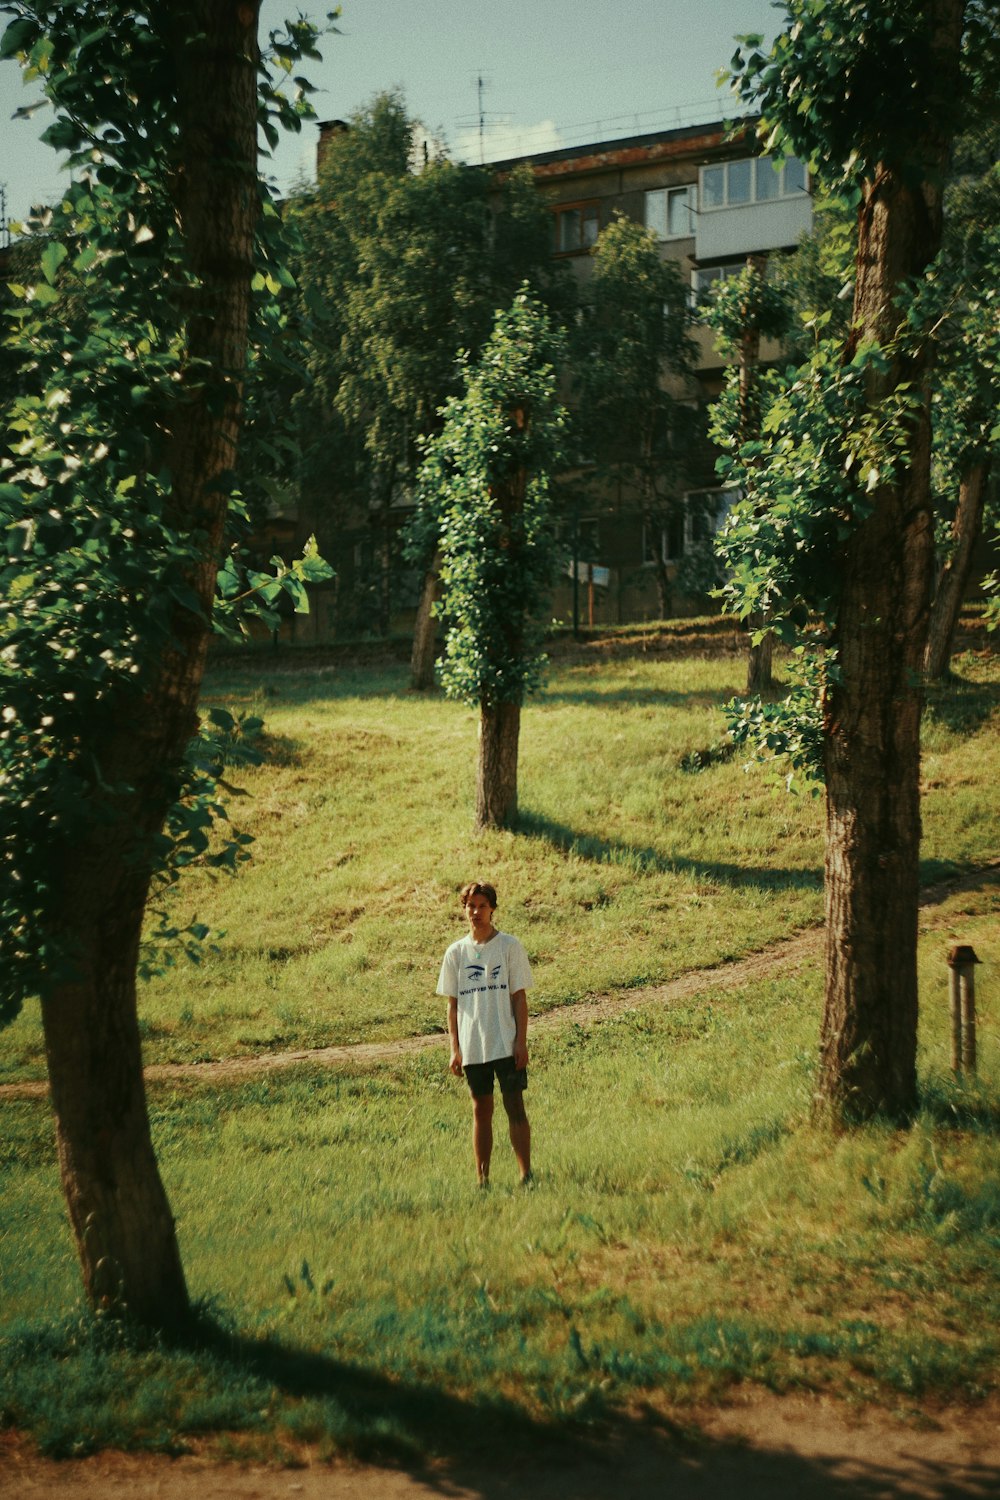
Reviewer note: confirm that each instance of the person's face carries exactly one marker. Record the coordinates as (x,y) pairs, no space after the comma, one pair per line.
(479,912)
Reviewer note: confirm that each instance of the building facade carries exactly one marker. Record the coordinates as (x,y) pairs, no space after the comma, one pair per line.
(711,202)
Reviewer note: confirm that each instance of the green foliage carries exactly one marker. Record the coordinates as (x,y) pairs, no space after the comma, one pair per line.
(96,558)
(849,89)
(817,279)
(485,491)
(805,482)
(746,304)
(405,258)
(788,732)
(633,337)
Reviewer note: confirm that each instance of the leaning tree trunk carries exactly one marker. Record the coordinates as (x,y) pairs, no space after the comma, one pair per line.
(496,778)
(954,576)
(872,708)
(118,1208)
(425,630)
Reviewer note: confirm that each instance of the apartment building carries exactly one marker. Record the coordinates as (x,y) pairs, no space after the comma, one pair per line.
(711,201)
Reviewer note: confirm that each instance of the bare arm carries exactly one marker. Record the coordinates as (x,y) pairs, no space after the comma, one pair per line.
(519,1005)
(455,1063)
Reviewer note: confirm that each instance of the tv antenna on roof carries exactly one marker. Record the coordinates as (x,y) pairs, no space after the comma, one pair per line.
(480,86)
(483,117)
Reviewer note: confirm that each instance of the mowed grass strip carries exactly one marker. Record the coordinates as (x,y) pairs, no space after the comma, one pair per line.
(689,1230)
(629,866)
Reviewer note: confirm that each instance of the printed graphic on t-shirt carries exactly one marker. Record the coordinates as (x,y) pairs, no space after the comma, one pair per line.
(476,979)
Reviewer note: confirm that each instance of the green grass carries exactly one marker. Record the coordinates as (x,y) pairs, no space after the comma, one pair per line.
(628,868)
(690,1229)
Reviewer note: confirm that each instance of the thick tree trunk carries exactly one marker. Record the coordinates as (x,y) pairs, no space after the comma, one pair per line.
(425,630)
(954,576)
(872,709)
(118,1208)
(496,780)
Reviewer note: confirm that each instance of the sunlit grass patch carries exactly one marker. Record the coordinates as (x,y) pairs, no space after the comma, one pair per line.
(689,1230)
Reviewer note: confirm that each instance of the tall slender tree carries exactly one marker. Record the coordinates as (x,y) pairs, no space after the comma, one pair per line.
(410,255)
(485,499)
(631,361)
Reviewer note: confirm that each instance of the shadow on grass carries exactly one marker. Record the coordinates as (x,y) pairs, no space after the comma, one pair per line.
(647,861)
(969,1105)
(595,697)
(962,706)
(373,1417)
(485,1448)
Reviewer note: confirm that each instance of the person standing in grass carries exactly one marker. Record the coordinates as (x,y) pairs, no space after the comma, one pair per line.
(485,977)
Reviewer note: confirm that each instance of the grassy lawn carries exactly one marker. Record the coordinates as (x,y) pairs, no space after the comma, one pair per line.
(629,868)
(689,1228)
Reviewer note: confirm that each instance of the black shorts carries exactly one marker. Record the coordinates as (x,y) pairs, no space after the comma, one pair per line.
(479,1076)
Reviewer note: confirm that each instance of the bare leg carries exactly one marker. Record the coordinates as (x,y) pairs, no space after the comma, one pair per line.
(482,1135)
(520,1131)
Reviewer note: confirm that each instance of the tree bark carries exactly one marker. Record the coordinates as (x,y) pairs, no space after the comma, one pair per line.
(760,677)
(872,709)
(954,576)
(496,780)
(118,1208)
(425,630)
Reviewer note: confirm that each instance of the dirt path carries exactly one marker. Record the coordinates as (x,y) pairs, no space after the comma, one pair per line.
(766,1447)
(781,958)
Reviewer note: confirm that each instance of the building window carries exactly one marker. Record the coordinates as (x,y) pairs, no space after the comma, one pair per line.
(696,518)
(670,212)
(581,537)
(755,179)
(705,277)
(576,227)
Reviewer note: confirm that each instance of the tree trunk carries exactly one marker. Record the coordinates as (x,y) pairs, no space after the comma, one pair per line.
(954,576)
(117,1205)
(759,657)
(872,709)
(425,630)
(496,780)
(760,678)
(118,1209)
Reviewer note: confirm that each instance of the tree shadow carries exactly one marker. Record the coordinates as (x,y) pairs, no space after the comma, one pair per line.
(960,705)
(398,1423)
(490,1449)
(969,1105)
(648,861)
(596,697)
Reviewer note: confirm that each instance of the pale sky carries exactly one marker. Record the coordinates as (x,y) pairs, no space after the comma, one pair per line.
(555,72)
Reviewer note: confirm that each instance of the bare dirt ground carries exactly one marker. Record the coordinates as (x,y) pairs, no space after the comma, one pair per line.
(763,1448)
(760,1447)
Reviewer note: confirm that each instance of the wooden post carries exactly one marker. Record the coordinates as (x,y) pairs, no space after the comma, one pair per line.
(955,1010)
(962,962)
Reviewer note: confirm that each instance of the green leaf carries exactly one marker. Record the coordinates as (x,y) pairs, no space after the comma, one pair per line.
(44,295)
(17,37)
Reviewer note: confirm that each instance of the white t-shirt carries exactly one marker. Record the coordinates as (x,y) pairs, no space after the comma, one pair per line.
(482,977)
